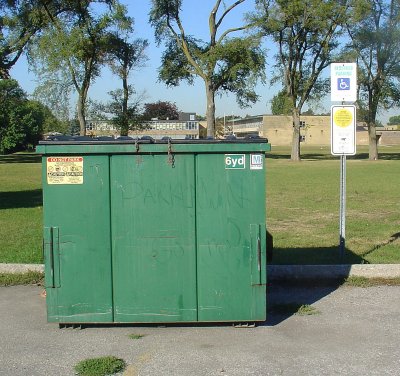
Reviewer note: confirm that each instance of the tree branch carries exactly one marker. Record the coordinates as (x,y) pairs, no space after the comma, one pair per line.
(181,41)
(233,30)
(227,11)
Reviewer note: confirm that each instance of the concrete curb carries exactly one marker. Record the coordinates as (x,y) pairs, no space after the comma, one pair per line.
(21,268)
(333,271)
(280,271)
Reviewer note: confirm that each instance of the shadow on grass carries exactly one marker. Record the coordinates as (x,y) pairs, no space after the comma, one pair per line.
(20,158)
(391,240)
(315,256)
(21,199)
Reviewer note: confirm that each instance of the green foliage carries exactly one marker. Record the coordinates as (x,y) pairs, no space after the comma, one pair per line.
(161,110)
(375,39)
(358,281)
(72,49)
(21,20)
(306,33)
(394,120)
(294,309)
(374,31)
(123,57)
(136,336)
(225,64)
(107,365)
(123,118)
(281,104)
(28,278)
(21,121)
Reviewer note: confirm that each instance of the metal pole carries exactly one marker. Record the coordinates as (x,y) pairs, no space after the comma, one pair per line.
(342,225)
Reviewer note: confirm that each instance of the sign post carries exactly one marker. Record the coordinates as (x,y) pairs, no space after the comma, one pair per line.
(343,130)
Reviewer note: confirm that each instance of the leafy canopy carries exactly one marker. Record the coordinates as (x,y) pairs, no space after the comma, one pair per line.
(225,63)
(22,122)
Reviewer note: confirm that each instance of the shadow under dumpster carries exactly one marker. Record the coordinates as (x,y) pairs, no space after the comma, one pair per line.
(286,298)
(300,277)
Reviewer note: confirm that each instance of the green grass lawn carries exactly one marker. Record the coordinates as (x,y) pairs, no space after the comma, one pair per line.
(302,207)
(20,209)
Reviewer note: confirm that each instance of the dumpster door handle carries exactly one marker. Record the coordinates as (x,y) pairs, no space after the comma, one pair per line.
(259,255)
(51,249)
(52,256)
(256,254)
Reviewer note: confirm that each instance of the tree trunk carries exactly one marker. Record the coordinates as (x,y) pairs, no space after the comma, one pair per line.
(125,122)
(373,142)
(295,155)
(80,109)
(210,113)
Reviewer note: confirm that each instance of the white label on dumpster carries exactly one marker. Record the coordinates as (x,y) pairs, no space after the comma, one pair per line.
(256,161)
(235,161)
(64,170)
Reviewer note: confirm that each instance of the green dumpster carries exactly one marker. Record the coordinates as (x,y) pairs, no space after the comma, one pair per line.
(137,231)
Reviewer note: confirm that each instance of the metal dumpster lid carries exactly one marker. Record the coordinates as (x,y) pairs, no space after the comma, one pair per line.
(85,140)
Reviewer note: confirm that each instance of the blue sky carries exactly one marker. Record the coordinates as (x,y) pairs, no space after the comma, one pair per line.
(187,98)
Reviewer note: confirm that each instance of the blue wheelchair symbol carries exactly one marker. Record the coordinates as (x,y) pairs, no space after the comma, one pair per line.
(343,83)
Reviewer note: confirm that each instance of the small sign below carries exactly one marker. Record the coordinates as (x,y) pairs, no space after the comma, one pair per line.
(235,161)
(343,130)
(64,170)
(256,162)
(343,82)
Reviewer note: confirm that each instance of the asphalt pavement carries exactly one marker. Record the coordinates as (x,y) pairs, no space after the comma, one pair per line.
(356,332)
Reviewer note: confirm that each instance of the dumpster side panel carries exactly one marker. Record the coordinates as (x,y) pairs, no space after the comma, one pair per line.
(153,232)
(231,237)
(77,244)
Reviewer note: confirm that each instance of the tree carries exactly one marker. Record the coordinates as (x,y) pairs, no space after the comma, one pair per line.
(21,120)
(123,57)
(12,97)
(73,48)
(54,94)
(21,20)
(224,63)
(306,35)
(394,120)
(281,104)
(125,116)
(162,110)
(375,36)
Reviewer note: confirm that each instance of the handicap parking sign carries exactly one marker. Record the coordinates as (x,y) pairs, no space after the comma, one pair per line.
(343,83)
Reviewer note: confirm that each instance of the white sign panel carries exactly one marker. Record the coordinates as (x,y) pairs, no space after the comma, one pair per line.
(256,161)
(343,82)
(343,130)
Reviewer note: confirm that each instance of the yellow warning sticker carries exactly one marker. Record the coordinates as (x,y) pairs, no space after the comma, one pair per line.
(64,170)
(343,118)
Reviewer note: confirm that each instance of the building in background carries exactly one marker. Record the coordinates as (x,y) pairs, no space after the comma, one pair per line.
(315,129)
(186,127)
